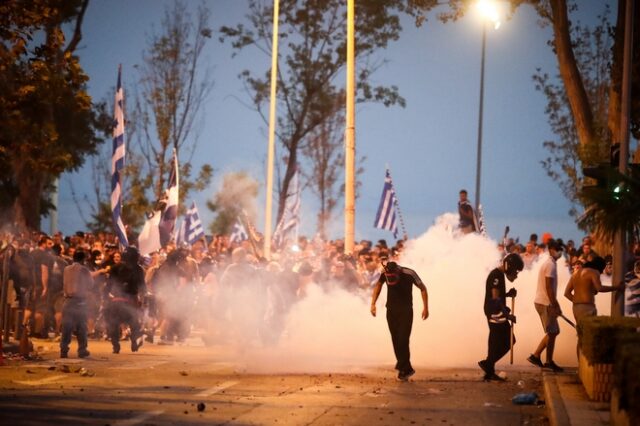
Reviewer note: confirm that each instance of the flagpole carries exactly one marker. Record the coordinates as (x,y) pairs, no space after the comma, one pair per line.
(397,203)
(272,128)
(350,143)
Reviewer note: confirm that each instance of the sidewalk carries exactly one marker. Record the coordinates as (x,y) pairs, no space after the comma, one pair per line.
(568,404)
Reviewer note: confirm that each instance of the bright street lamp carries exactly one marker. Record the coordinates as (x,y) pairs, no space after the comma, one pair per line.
(488,10)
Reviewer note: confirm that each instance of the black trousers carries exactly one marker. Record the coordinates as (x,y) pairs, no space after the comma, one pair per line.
(400,322)
(122,313)
(499,343)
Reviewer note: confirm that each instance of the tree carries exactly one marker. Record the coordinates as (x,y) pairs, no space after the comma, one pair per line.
(592,48)
(173,89)
(313,35)
(585,109)
(49,123)
(237,193)
(324,152)
(162,117)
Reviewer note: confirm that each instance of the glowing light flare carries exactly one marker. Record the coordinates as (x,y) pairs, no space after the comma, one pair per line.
(489,10)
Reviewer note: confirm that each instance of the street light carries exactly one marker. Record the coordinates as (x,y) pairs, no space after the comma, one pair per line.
(489,12)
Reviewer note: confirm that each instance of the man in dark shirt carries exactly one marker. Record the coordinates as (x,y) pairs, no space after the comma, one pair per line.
(38,296)
(498,314)
(400,282)
(124,288)
(468,220)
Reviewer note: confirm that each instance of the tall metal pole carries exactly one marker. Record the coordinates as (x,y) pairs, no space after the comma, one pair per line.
(480,111)
(620,239)
(272,131)
(350,142)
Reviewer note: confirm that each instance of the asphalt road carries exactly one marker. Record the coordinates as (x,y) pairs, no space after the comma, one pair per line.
(191,384)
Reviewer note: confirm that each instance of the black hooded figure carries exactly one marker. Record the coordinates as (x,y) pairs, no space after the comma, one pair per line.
(123,291)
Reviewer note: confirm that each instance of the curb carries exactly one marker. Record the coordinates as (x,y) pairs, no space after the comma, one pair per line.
(556,410)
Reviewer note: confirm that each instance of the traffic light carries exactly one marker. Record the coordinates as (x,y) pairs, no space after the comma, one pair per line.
(600,176)
(608,182)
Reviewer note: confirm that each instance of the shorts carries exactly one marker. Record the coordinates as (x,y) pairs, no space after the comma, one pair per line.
(584,310)
(549,321)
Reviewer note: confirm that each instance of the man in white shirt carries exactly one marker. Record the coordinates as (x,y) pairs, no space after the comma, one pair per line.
(546,304)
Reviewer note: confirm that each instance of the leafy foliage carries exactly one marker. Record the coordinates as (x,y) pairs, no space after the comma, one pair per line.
(49,121)
(313,57)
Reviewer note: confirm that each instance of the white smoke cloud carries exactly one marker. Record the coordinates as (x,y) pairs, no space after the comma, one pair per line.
(334,331)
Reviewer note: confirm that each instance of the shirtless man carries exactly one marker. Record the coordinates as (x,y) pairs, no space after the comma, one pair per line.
(584,285)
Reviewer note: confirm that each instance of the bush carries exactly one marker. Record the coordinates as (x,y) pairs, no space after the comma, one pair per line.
(626,372)
(597,336)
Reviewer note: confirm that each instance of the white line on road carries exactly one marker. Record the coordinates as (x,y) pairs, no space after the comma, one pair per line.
(139,365)
(39,382)
(216,389)
(138,419)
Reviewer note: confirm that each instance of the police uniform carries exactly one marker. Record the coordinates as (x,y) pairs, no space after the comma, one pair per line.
(496,312)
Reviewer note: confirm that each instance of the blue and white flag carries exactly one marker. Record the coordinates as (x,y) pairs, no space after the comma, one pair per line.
(386,215)
(170,210)
(290,221)
(193,230)
(238,233)
(117,164)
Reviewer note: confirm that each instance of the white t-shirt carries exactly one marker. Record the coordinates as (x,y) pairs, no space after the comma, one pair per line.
(547,270)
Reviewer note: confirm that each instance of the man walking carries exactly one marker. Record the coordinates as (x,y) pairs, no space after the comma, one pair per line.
(124,289)
(76,285)
(400,282)
(546,303)
(498,314)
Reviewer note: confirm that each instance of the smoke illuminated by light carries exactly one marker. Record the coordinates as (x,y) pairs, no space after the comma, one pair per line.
(331,329)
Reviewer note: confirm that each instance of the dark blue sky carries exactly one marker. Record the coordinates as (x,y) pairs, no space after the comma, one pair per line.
(430,145)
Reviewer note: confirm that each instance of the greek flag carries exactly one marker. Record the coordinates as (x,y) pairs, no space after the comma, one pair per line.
(290,220)
(238,233)
(170,211)
(117,164)
(193,230)
(386,215)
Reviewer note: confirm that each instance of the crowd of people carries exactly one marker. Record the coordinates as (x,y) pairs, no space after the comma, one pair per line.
(87,285)
(162,297)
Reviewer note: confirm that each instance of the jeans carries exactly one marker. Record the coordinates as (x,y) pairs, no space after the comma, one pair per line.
(74,318)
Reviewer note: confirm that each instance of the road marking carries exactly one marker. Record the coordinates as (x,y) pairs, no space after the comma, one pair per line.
(39,382)
(216,389)
(139,365)
(138,419)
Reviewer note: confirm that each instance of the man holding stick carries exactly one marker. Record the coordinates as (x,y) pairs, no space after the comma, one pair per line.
(501,338)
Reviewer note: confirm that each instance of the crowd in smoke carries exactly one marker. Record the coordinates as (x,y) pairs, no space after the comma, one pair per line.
(307,308)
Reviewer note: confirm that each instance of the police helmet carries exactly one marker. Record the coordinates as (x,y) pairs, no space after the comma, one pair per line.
(512,264)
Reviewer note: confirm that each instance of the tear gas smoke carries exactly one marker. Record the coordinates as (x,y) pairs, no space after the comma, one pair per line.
(332,330)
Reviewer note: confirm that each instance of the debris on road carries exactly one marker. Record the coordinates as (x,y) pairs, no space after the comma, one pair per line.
(529,398)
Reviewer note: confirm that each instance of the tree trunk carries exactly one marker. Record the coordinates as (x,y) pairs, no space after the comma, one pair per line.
(292,164)
(27,204)
(576,93)
(613,122)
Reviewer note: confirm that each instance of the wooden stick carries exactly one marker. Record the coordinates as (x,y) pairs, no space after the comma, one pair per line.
(513,312)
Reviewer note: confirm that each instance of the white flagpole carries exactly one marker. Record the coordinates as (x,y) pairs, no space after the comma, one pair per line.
(272,129)
(350,138)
